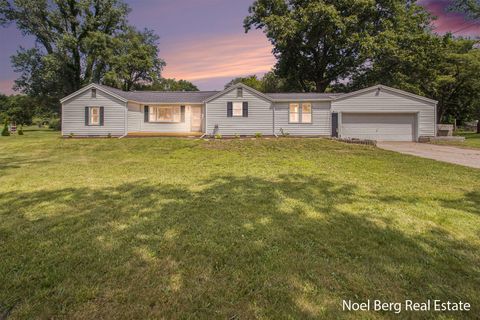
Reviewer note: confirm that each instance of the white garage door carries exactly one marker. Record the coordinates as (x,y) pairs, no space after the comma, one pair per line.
(379,126)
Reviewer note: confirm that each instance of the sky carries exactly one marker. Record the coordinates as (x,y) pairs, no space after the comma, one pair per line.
(203,41)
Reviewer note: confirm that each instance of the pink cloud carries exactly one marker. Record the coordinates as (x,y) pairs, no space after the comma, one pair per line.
(448,21)
(207,57)
(6,87)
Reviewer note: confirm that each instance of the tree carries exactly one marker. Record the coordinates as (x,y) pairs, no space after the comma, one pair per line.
(19,109)
(270,82)
(470,7)
(78,42)
(134,59)
(321,42)
(165,84)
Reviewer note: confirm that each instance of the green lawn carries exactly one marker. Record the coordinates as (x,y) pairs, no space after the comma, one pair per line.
(232,229)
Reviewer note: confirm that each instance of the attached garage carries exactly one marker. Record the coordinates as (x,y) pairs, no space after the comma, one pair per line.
(379,126)
(384,114)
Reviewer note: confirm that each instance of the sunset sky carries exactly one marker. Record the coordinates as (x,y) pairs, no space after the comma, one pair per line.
(203,41)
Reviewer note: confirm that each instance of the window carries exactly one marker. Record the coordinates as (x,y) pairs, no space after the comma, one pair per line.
(238,109)
(94,93)
(239,92)
(294,113)
(164,114)
(94,116)
(306,113)
(300,115)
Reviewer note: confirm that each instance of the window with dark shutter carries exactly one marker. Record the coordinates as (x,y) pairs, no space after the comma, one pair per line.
(87,114)
(245,109)
(145,114)
(229,109)
(94,93)
(239,92)
(102,115)
(182,114)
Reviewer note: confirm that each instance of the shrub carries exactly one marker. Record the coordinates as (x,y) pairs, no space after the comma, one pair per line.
(218,136)
(283,133)
(55,124)
(5,131)
(258,134)
(20,131)
(71,135)
(109,135)
(237,136)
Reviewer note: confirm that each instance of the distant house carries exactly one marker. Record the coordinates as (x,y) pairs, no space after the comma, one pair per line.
(377,113)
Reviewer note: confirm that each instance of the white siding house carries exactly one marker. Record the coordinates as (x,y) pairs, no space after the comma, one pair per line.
(377,113)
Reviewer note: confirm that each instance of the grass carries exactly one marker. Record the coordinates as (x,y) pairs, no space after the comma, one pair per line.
(472,140)
(237,229)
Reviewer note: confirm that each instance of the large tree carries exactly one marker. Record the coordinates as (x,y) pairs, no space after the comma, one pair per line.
(320,42)
(470,7)
(166,84)
(78,42)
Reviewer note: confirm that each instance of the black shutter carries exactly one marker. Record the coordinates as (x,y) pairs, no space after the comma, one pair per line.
(182,113)
(229,109)
(245,109)
(86,115)
(145,113)
(102,112)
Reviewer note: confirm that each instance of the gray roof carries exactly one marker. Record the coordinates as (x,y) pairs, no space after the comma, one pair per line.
(201,96)
(302,96)
(163,96)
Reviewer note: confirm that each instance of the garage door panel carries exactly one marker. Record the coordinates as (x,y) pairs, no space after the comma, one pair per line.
(381,127)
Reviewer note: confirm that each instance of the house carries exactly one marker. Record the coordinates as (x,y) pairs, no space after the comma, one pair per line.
(376,113)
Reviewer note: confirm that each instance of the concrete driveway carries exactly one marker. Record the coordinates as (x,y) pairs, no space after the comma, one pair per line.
(464,157)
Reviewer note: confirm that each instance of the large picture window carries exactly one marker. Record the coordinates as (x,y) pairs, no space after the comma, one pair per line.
(165,114)
(300,113)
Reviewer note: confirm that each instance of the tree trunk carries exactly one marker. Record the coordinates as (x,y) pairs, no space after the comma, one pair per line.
(321,86)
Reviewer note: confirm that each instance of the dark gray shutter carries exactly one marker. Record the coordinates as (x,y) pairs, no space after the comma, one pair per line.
(245,109)
(101,115)
(229,109)
(182,113)
(145,113)
(86,115)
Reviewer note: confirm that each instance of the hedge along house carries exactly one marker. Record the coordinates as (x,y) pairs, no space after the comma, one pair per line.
(377,113)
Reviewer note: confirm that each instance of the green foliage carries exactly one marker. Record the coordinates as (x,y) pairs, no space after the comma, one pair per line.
(55,124)
(218,136)
(5,131)
(258,134)
(470,7)
(79,42)
(270,82)
(71,135)
(318,42)
(237,136)
(20,131)
(134,59)
(18,109)
(165,84)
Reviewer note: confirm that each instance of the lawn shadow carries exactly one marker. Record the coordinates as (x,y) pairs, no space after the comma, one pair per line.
(228,247)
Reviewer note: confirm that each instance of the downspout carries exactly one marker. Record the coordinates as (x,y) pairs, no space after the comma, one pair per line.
(273,108)
(125,131)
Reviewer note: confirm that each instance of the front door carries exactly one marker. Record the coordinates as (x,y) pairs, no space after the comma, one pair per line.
(196,119)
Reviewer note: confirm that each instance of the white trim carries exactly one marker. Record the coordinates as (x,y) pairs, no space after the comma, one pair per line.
(382,87)
(90,86)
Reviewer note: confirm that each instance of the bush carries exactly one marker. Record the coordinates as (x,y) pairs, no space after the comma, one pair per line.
(71,135)
(258,134)
(218,136)
(55,124)
(109,135)
(237,136)
(20,131)
(5,131)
